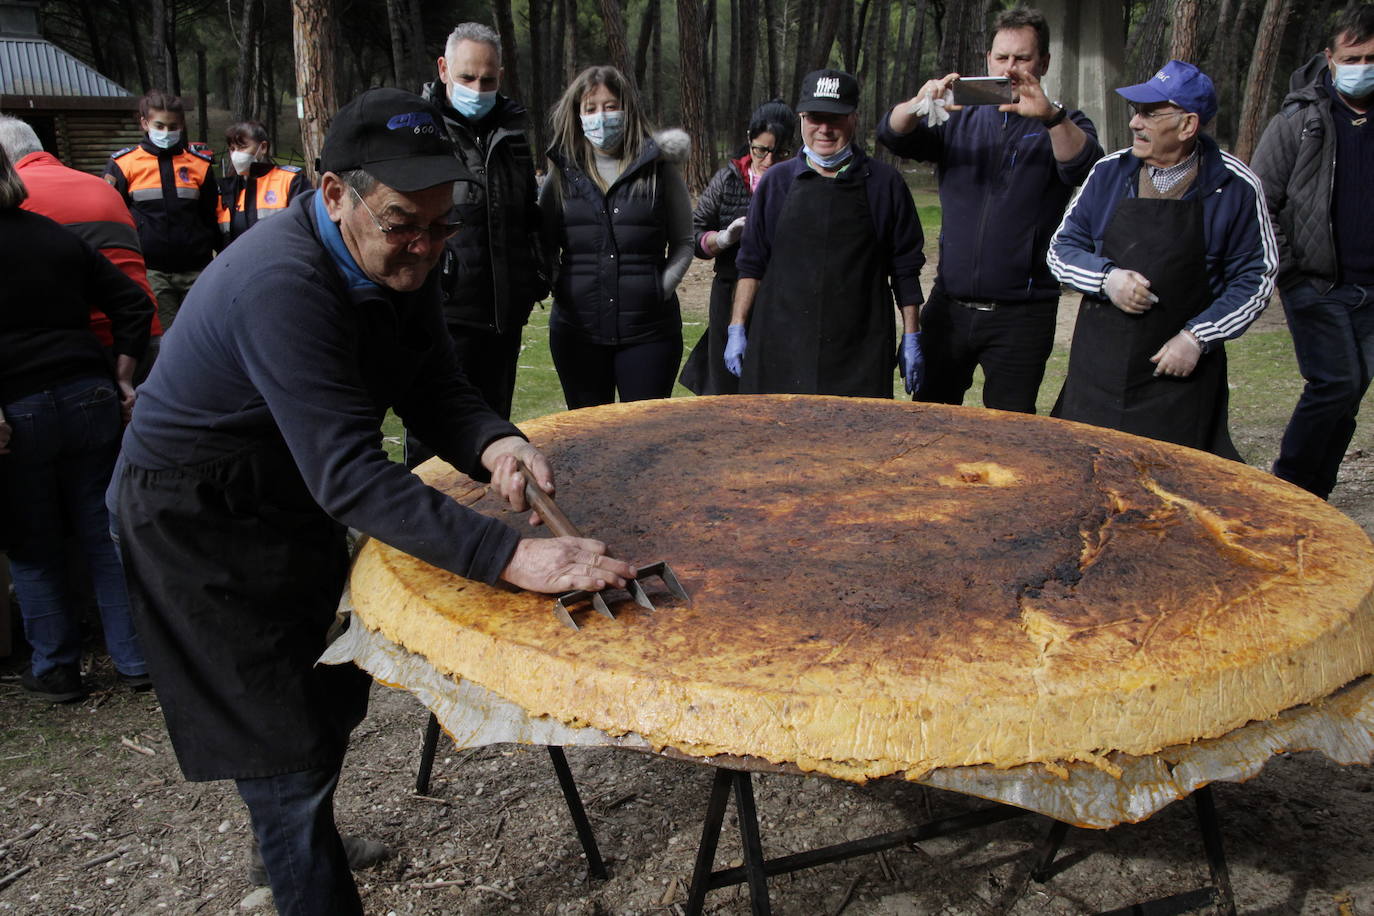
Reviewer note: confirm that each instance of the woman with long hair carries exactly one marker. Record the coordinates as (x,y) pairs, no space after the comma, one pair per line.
(616,210)
(60,423)
(717,224)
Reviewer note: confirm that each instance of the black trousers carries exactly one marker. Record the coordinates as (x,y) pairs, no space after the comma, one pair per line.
(489,361)
(1011,343)
(592,374)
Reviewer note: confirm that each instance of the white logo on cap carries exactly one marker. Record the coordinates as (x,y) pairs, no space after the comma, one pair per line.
(828,87)
(1161,76)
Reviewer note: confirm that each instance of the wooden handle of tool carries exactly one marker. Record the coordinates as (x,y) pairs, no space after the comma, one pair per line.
(548,510)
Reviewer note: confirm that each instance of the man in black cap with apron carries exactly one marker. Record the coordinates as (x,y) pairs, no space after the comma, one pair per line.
(831,237)
(257,444)
(1171,244)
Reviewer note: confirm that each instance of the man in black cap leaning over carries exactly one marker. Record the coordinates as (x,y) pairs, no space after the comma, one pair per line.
(257,443)
(831,237)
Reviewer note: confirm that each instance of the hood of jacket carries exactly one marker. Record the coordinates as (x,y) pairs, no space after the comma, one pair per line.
(1306,84)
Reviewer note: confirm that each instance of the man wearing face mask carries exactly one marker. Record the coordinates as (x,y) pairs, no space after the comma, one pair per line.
(171,192)
(256,187)
(491,272)
(832,240)
(1316,159)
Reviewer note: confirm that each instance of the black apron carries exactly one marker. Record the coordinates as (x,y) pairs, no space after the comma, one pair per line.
(234,575)
(1111,381)
(704,371)
(822,322)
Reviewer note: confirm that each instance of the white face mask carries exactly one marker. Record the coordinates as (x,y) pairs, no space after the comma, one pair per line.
(164,139)
(604,129)
(241,160)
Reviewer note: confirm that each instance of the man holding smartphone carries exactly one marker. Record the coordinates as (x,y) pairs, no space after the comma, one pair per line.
(1006,174)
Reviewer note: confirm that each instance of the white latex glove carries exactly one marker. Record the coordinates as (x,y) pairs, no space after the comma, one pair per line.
(933,109)
(730,234)
(1129,291)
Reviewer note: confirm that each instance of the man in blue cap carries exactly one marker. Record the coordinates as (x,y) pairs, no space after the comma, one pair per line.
(1317,162)
(1170,243)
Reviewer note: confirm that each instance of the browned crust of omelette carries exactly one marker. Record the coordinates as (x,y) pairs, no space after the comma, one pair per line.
(883,588)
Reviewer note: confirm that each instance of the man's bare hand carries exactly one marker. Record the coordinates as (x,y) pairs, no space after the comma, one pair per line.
(500,458)
(554,565)
(5,432)
(1031,100)
(1129,291)
(1179,355)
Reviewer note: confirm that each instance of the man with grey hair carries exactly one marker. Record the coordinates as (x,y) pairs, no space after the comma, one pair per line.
(258,443)
(492,272)
(92,210)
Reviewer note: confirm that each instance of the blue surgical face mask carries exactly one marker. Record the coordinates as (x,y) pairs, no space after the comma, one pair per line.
(830,162)
(470,103)
(164,139)
(604,129)
(1354,81)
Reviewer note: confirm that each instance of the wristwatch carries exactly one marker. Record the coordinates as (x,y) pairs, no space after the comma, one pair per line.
(1059,115)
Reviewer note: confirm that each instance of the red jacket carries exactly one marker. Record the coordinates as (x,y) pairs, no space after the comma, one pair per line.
(94,211)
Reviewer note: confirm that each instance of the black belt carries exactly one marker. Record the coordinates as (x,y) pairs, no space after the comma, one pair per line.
(978,305)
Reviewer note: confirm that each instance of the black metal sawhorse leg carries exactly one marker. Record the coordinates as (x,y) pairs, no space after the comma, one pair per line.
(756,870)
(1217,894)
(596,867)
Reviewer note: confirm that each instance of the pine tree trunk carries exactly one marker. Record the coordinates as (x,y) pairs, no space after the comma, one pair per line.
(614,21)
(646,31)
(1183,45)
(538,101)
(136,39)
(1257,83)
(400,68)
(772,25)
(202,103)
(315,40)
(895,79)
(250,36)
(657,53)
(748,58)
(510,56)
(692,58)
(910,77)
(825,35)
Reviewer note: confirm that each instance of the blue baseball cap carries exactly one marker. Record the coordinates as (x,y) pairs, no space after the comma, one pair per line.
(1182,84)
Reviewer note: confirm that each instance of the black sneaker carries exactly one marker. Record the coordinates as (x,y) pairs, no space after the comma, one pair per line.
(60,685)
(138,683)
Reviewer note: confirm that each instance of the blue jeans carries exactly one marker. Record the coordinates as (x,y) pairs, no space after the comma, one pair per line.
(293,819)
(61,455)
(1333,336)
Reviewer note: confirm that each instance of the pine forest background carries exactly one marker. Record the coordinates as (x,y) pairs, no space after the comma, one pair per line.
(701,64)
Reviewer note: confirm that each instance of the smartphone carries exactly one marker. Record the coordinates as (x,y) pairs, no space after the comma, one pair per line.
(983,90)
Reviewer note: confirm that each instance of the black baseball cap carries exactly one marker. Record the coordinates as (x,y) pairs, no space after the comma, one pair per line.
(396,137)
(829,90)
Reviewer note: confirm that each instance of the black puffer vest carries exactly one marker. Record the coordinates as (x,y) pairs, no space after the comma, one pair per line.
(614,248)
(493,270)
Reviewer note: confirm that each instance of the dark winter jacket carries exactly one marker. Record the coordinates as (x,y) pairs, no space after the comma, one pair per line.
(284,344)
(614,247)
(725,200)
(172,194)
(52,280)
(1296,160)
(1002,193)
(1242,259)
(493,270)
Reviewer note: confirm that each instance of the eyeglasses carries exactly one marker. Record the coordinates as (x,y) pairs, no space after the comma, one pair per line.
(778,152)
(407,234)
(1158,113)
